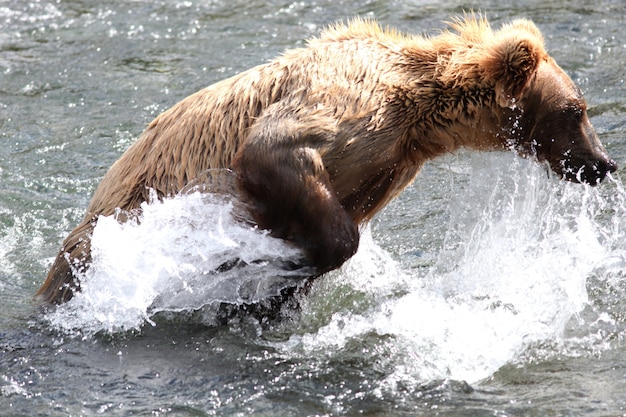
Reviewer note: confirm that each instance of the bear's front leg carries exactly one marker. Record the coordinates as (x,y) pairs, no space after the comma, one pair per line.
(287,188)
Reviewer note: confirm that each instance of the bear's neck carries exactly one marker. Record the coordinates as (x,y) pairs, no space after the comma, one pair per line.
(379,176)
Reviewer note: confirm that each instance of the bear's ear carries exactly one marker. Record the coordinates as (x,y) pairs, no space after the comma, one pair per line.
(511,59)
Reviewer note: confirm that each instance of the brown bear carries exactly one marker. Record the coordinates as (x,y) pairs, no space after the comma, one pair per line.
(323,137)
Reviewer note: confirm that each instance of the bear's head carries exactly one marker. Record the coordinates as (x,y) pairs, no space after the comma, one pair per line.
(538,109)
(556,127)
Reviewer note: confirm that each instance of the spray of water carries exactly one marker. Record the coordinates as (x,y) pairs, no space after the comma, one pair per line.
(185,253)
(518,251)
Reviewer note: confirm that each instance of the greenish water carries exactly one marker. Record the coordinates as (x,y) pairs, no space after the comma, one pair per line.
(486,289)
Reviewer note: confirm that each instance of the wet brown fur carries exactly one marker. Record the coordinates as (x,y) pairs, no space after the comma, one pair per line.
(323,137)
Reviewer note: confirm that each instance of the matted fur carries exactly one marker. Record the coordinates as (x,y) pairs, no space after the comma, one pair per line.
(322,137)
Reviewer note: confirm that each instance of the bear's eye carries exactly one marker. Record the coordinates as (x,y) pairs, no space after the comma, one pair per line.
(579,112)
(574,112)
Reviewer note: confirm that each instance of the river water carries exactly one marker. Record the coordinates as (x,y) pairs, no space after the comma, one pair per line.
(489,288)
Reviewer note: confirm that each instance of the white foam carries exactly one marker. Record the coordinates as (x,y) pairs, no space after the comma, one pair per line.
(168,262)
(518,252)
(512,271)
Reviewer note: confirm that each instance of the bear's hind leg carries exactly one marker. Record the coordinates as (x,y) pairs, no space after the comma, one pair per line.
(73,259)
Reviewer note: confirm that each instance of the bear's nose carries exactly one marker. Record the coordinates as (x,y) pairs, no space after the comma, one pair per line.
(598,171)
(612,166)
(607,167)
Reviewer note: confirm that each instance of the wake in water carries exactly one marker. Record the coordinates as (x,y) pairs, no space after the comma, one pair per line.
(512,271)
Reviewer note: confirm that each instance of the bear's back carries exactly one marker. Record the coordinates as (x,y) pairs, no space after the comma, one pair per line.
(338,74)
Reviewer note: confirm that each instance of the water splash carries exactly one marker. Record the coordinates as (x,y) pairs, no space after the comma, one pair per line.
(518,252)
(186,253)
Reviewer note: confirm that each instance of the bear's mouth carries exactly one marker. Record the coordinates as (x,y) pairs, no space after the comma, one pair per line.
(585,172)
(586,169)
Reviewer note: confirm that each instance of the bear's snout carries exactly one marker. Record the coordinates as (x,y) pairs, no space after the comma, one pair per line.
(587,160)
(588,172)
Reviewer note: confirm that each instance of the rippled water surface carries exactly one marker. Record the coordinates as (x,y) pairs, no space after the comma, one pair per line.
(487,289)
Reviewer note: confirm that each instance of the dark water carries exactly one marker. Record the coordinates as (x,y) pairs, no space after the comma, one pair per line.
(487,289)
